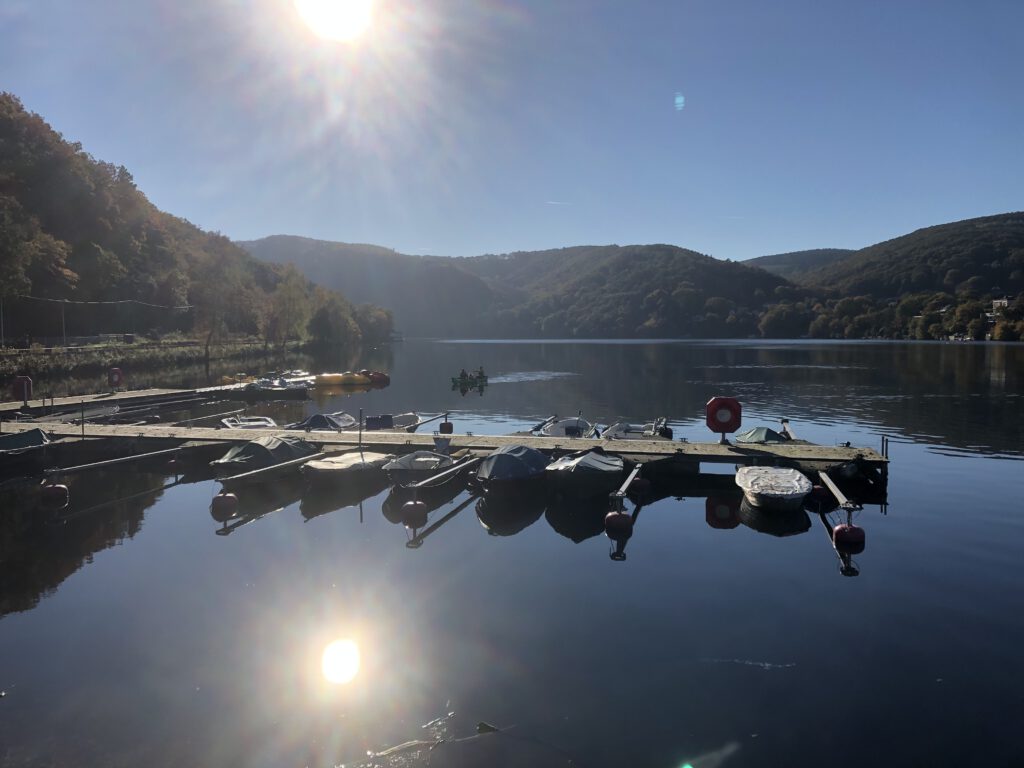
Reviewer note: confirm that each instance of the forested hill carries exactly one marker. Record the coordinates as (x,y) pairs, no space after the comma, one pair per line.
(795,264)
(586,291)
(428,296)
(77,229)
(977,257)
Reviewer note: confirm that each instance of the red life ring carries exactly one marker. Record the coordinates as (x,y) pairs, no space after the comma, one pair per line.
(115,377)
(723,414)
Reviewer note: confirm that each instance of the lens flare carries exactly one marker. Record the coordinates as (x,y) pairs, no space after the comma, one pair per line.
(342,20)
(340,661)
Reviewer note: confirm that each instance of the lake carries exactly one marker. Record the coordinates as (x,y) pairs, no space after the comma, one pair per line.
(132,634)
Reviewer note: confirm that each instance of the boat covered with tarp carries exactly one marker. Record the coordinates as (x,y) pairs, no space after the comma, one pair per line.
(262,453)
(340,466)
(326,422)
(16,443)
(415,466)
(23,452)
(760,435)
(586,473)
(511,468)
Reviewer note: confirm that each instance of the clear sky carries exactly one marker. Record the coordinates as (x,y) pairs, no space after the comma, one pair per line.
(460,127)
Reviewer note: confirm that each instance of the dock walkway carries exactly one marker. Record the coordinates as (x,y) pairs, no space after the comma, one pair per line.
(641,451)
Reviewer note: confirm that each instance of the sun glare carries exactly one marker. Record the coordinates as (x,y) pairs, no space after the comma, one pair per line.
(342,20)
(340,662)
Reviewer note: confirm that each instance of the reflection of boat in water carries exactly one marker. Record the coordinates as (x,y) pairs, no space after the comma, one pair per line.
(508,516)
(577,519)
(776,488)
(256,501)
(323,499)
(585,473)
(432,496)
(777,522)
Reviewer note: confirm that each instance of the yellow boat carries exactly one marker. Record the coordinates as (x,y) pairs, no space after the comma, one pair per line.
(348,378)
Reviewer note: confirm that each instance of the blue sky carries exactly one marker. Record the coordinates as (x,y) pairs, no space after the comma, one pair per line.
(461,127)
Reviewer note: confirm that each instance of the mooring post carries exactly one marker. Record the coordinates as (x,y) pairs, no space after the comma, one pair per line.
(83,418)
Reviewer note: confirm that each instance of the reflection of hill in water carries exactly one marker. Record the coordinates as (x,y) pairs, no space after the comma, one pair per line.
(965,395)
(40,549)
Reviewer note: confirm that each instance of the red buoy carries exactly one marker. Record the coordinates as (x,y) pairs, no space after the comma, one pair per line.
(848,539)
(223,507)
(55,497)
(722,512)
(414,514)
(618,526)
(723,414)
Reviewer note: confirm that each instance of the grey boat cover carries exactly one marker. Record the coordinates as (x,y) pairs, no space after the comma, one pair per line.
(19,441)
(264,452)
(760,435)
(587,462)
(328,422)
(513,462)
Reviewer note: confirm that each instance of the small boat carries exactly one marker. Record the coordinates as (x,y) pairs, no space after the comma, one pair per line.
(275,389)
(585,474)
(338,421)
(348,465)
(779,488)
(387,422)
(576,426)
(512,470)
(249,422)
(469,381)
(341,379)
(651,430)
(263,453)
(416,466)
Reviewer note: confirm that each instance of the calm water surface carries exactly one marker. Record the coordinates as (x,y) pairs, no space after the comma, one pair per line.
(132,634)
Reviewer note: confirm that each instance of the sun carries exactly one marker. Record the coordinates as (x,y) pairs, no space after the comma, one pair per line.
(340,661)
(342,20)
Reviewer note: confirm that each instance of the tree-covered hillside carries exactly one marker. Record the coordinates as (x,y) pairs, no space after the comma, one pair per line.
(975,257)
(428,296)
(76,229)
(794,265)
(586,291)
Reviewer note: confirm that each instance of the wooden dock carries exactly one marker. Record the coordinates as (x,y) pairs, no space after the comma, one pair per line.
(682,455)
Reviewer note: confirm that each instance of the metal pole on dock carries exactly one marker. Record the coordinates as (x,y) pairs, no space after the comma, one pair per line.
(83,418)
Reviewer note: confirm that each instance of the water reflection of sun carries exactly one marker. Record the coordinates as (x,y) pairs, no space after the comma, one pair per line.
(342,20)
(340,661)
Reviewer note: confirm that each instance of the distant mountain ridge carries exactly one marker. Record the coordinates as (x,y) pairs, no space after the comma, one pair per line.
(933,283)
(583,291)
